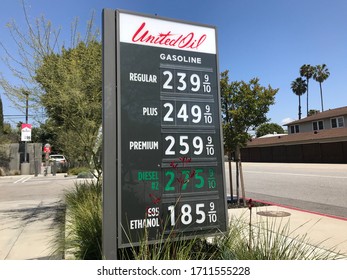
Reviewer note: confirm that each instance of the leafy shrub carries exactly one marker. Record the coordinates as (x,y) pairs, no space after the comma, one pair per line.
(86,175)
(77,170)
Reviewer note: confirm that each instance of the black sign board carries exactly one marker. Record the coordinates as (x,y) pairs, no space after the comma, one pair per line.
(163,156)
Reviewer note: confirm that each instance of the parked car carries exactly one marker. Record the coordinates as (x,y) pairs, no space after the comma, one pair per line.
(60,161)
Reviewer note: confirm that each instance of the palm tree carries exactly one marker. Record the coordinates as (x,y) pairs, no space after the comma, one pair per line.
(321,73)
(307,71)
(299,88)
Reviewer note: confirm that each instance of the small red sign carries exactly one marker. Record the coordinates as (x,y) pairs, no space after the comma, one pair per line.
(47,149)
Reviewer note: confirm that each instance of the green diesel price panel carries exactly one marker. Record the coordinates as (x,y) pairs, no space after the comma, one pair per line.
(170,160)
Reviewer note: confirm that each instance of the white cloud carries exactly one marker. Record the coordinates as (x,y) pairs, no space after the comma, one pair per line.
(287,120)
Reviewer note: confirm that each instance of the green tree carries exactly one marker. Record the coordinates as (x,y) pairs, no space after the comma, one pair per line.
(33,42)
(43,134)
(7,128)
(298,86)
(321,73)
(73,91)
(38,49)
(226,104)
(307,71)
(244,106)
(269,128)
(312,112)
(10,135)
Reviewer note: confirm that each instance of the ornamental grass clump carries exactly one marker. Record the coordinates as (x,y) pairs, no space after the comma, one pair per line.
(80,237)
(83,225)
(268,239)
(170,248)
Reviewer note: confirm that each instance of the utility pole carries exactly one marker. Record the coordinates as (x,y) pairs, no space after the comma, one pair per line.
(26,93)
(25,165)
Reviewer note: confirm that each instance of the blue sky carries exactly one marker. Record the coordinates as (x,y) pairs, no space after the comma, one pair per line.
(268,39)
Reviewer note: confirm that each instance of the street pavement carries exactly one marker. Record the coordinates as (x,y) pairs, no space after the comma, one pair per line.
(320,188)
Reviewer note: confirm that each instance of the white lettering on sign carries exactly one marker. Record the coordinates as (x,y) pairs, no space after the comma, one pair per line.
(156,32)
(144,145)
(180,58)
(147,111)
(145,78)
(144,223)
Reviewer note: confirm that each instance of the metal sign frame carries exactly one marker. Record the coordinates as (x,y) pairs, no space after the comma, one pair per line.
(163,167)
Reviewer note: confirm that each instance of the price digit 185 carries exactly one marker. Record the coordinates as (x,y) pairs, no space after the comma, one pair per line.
(185,216)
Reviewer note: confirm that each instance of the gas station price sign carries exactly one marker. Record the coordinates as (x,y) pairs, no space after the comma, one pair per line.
(168,167)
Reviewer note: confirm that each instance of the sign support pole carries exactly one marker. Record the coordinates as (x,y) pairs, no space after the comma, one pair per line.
(110,182)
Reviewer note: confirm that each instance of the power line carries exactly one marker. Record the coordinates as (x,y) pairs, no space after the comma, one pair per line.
(17,115)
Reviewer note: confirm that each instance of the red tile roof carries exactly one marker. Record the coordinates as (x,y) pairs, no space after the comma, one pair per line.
(321,136)
(323,115)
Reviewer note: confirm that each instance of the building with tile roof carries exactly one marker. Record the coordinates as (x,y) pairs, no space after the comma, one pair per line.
(320,138)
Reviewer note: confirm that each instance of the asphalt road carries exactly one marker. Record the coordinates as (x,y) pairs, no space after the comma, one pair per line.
(320,188)
(23,187)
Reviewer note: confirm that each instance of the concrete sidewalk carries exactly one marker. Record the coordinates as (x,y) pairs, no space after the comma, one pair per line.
(27,229)
(325,232)
(29,221)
